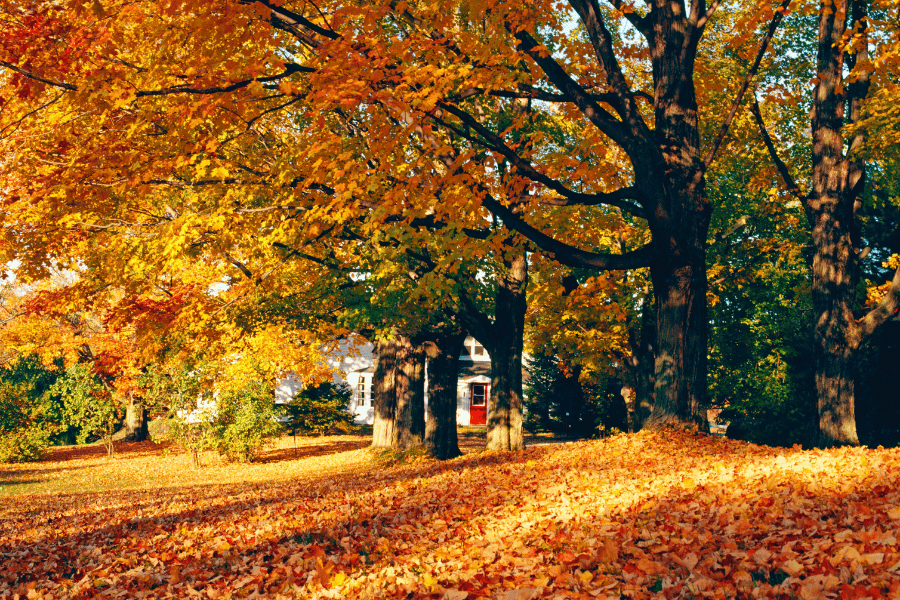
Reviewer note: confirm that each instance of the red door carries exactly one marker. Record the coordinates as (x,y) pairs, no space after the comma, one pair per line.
(478,408)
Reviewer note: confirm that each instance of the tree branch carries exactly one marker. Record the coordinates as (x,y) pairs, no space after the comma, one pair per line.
(639,23)
(776,20)
(293,21)
(30,75)
(779,164)
(703,16)
(524,167)
(29,113)
(603,120)
(601,40)
(887,309)
(564,253)
(534,93)
(288,70)
(241,266)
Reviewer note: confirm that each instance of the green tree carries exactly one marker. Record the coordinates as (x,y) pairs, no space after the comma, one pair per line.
(30,415)
(319,408)
(89,405)
(245,420)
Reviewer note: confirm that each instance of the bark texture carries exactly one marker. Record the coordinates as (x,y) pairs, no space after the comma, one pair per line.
(410,385)
(503,338)
(680,360)
(384,395)
(641,365)
(442,351)
(399,394)
(836,183)
(136,421)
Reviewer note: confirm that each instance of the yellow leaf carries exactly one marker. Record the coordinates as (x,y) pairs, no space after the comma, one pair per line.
(523,594)
(874,558)
(792,568)
(817,586)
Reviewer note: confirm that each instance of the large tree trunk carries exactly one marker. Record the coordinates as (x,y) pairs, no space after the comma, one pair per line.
(136,421)
(410,384)
(641,364)
(836,184)
(504,343)
(505,416)
(835,332)
(399,395)
(384,395)
(670,172)
(443,374)
(681,346)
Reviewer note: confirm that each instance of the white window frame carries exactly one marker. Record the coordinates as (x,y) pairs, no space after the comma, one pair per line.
(362,391)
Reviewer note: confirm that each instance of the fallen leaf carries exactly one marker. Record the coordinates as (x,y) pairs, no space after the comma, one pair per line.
(522,594)
(815,587)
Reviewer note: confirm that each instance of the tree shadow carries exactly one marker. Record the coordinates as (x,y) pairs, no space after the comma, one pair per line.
(367,515)
(324,448)
(130,449)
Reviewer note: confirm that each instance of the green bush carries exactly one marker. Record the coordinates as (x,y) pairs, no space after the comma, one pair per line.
(25,445)
(319,408)
(30,414)
(89,405)
(244,421)
(196,435)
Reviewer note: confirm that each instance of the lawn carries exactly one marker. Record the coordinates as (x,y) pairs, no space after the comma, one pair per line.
(670,514)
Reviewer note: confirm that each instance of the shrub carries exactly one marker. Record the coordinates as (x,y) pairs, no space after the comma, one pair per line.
(25,445)
(320,408)
(89,405)
(244,420)
(30,414)
(193,433)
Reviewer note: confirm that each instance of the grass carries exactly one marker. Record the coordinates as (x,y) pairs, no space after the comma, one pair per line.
(148,465)
(87,469)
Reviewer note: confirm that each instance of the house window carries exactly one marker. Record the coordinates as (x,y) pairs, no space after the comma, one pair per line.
(473,350)
(479,394)
(362,391)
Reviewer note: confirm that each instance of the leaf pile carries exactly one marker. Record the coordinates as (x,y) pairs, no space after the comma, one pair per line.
(664,515)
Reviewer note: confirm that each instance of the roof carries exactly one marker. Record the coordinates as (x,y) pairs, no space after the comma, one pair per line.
(474,369)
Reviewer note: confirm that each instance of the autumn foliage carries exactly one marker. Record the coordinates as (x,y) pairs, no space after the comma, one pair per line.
(664,514)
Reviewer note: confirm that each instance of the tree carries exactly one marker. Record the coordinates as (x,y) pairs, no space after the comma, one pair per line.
(399,391)
(30,415)
(833,201)
(89,405)
(319,408)
(260,141)
(442,350)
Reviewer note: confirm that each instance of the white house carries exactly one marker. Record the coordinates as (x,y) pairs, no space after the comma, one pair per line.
(472,393)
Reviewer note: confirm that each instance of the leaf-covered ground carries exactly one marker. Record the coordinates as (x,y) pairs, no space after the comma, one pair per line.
(669,515)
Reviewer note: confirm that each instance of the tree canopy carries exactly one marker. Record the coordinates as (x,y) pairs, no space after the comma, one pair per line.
(258,176)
